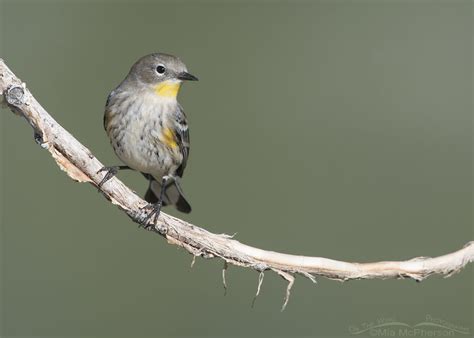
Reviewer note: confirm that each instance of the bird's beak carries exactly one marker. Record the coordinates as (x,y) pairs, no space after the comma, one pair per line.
(185,76)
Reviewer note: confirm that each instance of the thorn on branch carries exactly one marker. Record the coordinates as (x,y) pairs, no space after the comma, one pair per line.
(193,261)
(228,236)
(291,280)
(224,269)
(310,276)
(260,281)
(416,277)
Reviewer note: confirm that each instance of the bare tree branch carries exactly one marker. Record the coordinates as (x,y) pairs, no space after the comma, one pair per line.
(81,165)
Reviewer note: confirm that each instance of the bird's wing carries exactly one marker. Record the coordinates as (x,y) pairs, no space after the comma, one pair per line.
(181,131)
(106,112)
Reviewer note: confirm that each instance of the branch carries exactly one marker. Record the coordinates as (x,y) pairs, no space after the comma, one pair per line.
(81,165)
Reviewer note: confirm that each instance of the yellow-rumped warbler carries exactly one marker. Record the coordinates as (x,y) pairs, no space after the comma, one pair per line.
(148,130)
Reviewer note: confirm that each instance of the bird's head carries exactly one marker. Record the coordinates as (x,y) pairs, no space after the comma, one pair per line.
(162,73)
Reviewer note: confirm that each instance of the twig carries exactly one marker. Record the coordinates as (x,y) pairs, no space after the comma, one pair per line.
(224,282)
(81,165)
(259,286)
(291,280)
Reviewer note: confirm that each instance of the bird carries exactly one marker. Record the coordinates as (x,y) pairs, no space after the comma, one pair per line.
(148,129)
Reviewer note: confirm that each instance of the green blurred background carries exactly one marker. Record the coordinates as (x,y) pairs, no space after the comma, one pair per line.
(340,129)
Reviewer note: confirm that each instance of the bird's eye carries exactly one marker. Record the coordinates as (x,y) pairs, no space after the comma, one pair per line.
(160,69)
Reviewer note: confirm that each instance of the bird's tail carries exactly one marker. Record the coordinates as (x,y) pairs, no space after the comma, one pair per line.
(173,195)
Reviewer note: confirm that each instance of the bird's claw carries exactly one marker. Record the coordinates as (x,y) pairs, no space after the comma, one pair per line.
(110,172)
(153,212)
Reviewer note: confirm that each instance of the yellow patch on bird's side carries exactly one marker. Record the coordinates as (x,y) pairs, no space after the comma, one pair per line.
(167,89)
(169,138)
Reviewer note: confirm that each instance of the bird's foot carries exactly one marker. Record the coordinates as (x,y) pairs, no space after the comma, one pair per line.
(110,172)
(152,213)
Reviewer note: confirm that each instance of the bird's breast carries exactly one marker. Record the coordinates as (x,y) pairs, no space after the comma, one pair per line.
(138,130)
